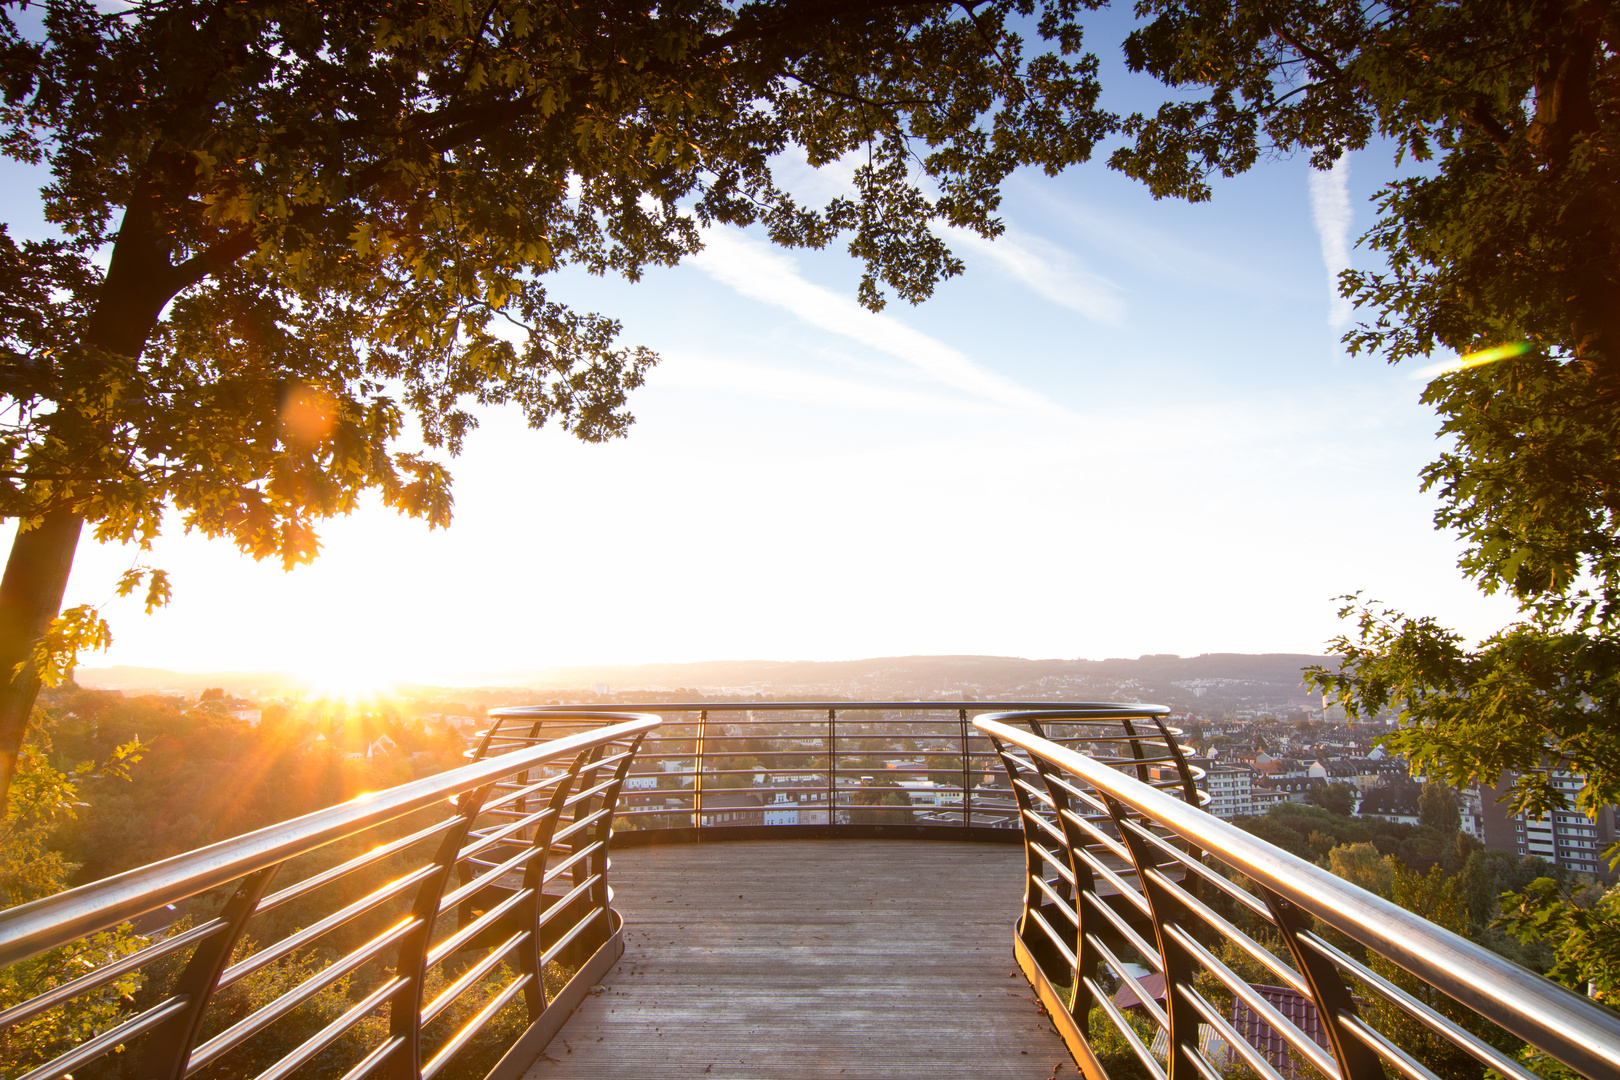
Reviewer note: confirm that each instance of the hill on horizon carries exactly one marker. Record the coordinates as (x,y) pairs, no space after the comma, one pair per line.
(1228,679)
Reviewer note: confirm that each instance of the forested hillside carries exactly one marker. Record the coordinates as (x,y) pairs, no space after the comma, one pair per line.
(204,774)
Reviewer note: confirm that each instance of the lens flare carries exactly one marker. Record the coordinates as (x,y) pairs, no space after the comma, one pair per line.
(308,415)
(1473,359)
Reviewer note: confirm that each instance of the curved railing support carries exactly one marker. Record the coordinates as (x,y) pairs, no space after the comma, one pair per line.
(169,1046)
(1334,1002)
(404,1062)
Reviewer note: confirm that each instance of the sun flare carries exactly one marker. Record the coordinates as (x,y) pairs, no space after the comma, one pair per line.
(348,684)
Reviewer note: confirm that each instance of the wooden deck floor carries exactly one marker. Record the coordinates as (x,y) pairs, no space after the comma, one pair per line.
(813,959)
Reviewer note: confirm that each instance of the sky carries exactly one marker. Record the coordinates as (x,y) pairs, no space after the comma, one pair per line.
(1129,428)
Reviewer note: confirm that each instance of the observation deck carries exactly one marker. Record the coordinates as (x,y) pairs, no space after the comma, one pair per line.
(985,889)
(812,959)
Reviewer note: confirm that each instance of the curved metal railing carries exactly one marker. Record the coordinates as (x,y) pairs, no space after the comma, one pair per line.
(849,768)
(1142,916)
(402,912)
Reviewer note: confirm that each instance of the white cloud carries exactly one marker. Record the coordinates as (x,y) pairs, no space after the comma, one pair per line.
(1330,209)
(1047,270)
(759,273)
(783,384)
(1152,249)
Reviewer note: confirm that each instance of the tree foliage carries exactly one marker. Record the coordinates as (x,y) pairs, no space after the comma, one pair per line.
(1502,242)
(1362,864)
(879,792)
(1583,928)
(1438,810)
(45,798)
(336,212)
(1336,797)
(331,231)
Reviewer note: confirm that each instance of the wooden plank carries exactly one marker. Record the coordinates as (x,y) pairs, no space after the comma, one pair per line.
(813,959)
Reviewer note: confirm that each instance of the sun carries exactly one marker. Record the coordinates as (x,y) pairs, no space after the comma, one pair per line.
(353,684)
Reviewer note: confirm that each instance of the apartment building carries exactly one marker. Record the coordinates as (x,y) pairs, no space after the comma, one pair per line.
(1566,838)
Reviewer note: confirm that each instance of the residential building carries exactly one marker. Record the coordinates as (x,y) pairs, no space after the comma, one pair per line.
(1566,838)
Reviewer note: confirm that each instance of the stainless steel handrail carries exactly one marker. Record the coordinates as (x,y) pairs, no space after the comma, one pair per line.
(562,793)
(30,929)
(1163,832)
(695,737)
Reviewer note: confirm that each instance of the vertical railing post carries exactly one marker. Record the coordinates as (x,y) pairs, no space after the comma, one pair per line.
(697,769)
(600,895)
(1082,896)
(1189,786)
(405,1011)
(1180,966)
(534,874)
(489,734)
(1034,864)
(168,1047)
(1329,993)
(832,766)
(967,796)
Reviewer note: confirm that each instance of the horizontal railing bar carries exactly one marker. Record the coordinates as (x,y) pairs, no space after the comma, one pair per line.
(557,869)
(368,1064)
(591,768)
(579,824)
(1058,901)
(520,791)
(1101,839)
(268,955)
(1242,1047)
(1205,1069)
(1137,941)
(1055,860)
(1039,794)
(93,1048)
(107,973)
(1123,1026)
(475,1025)
(1132,894)
(30,929)
(377,854)
(1282,1025)
(1153,1007)
(568,897)
(1418,1010)
(489,839)
(494,873)
(573,932)
(1254,904)
(473,928)
(432,1009)
(1055,937)
(1046,826)
(334,1031)
(1378,1043)
(1257,951)
(1554,1019)
(588,793)
(251,1025)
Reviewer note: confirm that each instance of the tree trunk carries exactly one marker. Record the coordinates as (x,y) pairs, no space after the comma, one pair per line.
(30,596)
(139,282)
